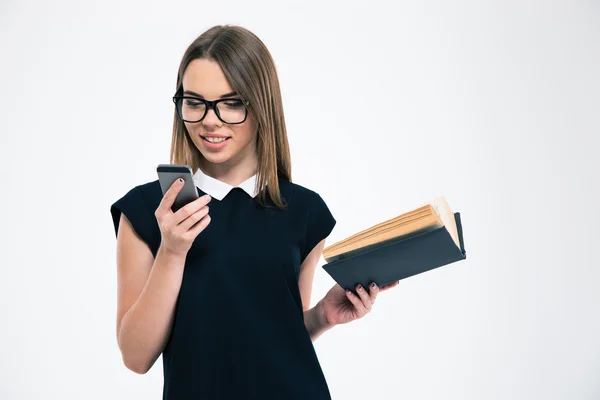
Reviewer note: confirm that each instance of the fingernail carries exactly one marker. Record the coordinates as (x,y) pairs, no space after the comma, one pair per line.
(348,291)
(373,285)
(206,197)
(359,288)
(179,181)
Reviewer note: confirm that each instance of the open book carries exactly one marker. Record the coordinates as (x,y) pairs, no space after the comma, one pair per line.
(426,218)
(424,238)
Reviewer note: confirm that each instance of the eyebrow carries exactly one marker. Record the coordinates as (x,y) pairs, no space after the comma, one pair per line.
(199,95)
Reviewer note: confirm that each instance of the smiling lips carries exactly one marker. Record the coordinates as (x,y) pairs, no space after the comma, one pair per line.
(215,142)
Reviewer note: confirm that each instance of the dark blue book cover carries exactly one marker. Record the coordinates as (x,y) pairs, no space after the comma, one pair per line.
(392,260)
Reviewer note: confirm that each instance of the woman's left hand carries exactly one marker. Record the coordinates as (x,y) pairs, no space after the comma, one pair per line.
(341,306)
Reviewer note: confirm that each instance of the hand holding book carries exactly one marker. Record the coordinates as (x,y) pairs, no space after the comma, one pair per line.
(341,306)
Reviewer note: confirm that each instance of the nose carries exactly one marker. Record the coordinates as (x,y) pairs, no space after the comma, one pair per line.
(211,117)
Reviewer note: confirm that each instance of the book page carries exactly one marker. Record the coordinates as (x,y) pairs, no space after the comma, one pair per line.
(442,208)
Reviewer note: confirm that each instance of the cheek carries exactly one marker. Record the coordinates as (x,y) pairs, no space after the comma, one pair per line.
(191,128)
(245,132)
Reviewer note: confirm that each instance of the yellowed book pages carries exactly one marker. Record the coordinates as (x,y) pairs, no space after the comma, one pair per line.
(428,216)
(406,218)
(442,208)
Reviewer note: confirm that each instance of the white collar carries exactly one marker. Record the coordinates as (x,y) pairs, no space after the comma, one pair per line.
(218,189)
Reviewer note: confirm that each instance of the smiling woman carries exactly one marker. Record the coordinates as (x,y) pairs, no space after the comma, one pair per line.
(224,294)
(224,130)
(227,88)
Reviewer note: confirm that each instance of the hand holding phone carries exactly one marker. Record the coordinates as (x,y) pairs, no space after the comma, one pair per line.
(168,174)
(181,214)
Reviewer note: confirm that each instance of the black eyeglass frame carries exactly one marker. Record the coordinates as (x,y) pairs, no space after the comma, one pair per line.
(210,105)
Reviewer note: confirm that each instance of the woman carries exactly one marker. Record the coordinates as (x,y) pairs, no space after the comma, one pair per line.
(221,288)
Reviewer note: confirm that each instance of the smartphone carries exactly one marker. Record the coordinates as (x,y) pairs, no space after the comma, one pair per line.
(168,174)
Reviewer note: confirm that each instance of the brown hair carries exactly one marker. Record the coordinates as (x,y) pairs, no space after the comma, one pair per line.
(250,70)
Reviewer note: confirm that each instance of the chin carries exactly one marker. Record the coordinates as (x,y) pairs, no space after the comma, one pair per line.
(215,158)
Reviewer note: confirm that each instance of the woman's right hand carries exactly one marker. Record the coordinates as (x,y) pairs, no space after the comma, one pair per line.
(177,229)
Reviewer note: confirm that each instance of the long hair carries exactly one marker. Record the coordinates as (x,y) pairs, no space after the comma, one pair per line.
(250,70)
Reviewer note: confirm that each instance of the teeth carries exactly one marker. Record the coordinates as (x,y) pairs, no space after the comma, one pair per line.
(215,140)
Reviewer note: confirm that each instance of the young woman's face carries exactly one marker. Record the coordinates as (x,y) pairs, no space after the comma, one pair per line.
(205,79)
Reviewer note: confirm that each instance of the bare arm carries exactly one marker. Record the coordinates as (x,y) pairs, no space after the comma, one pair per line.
(147,294)
(148,288)
(314,319)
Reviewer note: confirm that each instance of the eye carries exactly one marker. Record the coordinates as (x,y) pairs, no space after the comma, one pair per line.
(193,103)
(234,103)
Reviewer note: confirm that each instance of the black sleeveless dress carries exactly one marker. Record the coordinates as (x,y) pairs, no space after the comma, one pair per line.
(238,330)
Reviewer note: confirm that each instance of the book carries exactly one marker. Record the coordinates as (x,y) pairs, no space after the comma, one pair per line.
(427,237)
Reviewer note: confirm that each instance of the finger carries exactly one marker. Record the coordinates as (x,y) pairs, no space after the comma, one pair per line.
(199,227)
(373,291)
(389,286)
(169,197)
(364,297)
(190,208)
(357,302)
(190,221)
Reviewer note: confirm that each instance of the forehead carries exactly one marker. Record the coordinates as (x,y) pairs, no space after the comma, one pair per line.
(206,78)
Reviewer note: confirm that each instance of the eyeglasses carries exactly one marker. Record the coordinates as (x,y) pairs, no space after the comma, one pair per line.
(194,109)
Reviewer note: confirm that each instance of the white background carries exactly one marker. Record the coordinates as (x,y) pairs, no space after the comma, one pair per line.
(388,104)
